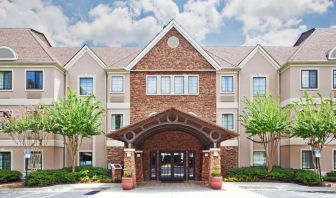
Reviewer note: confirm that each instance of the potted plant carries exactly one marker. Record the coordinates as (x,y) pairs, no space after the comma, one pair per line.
(216,179)
(127,180)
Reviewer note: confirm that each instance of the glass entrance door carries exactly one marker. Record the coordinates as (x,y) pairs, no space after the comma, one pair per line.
(172,166)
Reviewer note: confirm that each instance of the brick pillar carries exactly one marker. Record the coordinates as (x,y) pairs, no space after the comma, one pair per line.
(138,166)
(215,160)
(205,166)
(129,162)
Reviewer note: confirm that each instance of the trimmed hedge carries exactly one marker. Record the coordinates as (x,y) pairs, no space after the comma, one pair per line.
(331,176)
(9,176)
(66,176)
(250,174)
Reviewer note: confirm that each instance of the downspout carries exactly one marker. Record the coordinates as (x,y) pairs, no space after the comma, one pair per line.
(279,146)
(65,93)
(238,125)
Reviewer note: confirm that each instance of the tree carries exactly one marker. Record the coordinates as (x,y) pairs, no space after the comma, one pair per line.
(315,123)
(75,118)
(28,130)
(265,118)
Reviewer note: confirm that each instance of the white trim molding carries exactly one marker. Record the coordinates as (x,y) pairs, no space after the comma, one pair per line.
(15,56)
(229,143)
(47,143)
(93,84)
(25,80)
(117,105)
(169,26)
(227,105)
(111,143)
(24,101)
(8,70)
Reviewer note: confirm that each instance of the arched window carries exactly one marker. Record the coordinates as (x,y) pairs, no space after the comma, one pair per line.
(7,53)
(332,54)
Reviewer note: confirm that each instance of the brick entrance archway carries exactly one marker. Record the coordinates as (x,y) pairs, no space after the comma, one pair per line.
(172,131)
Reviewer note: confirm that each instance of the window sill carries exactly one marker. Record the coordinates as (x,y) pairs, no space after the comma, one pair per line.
(7,90)
(309,89)
(34,90)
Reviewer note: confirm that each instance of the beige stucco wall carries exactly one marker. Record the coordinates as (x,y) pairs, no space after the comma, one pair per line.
(87,66)
(257,66)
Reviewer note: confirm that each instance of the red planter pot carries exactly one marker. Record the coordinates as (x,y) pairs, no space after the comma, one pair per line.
(127,183)
(216,183)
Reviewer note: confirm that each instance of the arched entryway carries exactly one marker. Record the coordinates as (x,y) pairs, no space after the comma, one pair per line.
(172,146)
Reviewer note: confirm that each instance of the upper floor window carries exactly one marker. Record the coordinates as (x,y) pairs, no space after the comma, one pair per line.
(259,158)
(117,121)
(34,80)
(227,121)
(85,86)
(192,84)
(172,85)
(227,84)
(307,160)
(5,80)
(5,160)
(308,79)
(332,54)
(7,53)
(259,86)
(35,161)
(117,85)
(165,85)
(334,79)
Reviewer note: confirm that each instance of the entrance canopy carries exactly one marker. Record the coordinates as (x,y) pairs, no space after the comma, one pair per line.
(172,120)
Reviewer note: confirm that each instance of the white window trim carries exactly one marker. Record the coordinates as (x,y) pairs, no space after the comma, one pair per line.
(123,121)
(93,84)
(329,54)
(221,84)
(258,150)
(251,84)
(172,87)
(43,80)
(8,90)
(85,151)
(123,86)
(11,153)
(13,52)
(301,151)
(234,120)
(318,79)
(24,160)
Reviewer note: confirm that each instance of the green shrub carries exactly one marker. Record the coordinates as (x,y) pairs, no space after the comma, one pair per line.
(9,176)
(331,174)
(216,172)
(248,174)
(66,176)
(329,178)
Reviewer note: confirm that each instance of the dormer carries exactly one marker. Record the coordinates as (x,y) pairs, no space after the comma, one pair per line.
(7,54)
(332,54)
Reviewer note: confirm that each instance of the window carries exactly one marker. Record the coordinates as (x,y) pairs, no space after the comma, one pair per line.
(259,86)
(5,80)
(309,79)
(227,83)
(151,85)
(192,84)
(5,160)
(334,159)
(334,79)
(34,80)
(7,53)
(165,84)
(179,85)
(117,84)
(117,121)
(35,161)
(227,121)
(307,160)
(259,158)
(85,86)
(332,54)
(85,158)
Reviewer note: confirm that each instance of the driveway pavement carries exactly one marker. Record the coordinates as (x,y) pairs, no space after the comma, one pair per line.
(177,190)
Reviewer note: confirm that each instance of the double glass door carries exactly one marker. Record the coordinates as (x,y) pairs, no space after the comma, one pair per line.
(172,166)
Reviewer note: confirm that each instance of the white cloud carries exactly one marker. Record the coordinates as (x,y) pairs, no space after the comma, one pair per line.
(272,22)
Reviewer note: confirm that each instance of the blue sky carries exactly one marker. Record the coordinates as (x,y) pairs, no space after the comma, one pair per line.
(134,23)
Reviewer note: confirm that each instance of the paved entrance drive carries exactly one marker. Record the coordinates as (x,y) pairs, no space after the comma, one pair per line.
(173,190)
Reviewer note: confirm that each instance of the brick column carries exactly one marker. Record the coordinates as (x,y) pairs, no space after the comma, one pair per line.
(205,166)
(215,160)
(138,166)
(129,162)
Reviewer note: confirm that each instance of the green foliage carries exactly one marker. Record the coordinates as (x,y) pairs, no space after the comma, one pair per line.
(250,174)
(265,115)
(75,115)
(216,172)
(66,176)
(127,173)
(314,122)
(331,176)
(9,176)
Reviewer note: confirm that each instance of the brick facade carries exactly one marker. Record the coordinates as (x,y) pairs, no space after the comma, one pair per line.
(229,158)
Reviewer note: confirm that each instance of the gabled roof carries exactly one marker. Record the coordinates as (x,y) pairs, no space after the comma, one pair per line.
(84,50)
(264,53)
(162,33)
